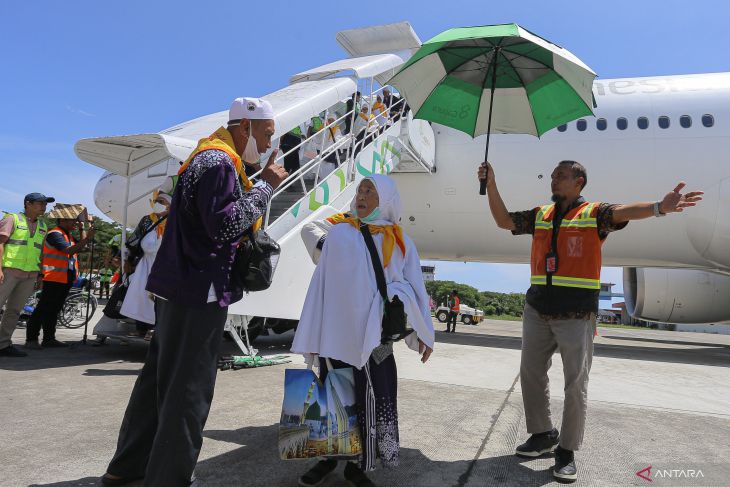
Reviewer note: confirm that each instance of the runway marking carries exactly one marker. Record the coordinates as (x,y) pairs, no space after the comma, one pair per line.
(464,478)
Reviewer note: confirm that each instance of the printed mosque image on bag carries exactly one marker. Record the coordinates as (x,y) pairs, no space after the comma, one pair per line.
(319,419)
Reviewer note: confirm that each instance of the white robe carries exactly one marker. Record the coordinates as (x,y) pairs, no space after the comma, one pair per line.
(138,303)
(343,310)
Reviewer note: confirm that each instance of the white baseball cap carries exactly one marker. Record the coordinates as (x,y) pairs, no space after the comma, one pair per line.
(250,108)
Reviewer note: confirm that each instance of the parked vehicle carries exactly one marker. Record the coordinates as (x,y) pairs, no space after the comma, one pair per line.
(467,314)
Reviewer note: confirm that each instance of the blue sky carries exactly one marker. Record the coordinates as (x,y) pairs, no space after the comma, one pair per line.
(88,68)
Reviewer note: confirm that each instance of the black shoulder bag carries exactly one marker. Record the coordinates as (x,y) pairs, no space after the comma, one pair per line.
(255,261)
(113,308)
(394,313)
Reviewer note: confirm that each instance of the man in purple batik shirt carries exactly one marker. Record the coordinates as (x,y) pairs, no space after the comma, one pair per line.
(161,434)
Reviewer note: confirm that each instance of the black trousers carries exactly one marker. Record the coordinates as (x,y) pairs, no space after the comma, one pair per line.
(451,321)
(46,312)
(162,429)
(104,286)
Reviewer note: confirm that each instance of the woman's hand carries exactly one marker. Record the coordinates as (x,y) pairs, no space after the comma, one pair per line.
(424,350)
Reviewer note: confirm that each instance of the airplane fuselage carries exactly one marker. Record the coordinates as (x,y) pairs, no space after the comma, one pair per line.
(625,163)
(448,220)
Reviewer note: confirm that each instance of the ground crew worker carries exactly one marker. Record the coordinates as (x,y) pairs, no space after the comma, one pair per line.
(21,242)
(105,277)
(562,302)
(60,269)
(454,310)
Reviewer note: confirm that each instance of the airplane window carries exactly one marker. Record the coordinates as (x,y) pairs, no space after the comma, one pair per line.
(622,123)
(664,122)
(581,125)
(562,128)
(601,124)
(685,121)
(642,123)
(708,120)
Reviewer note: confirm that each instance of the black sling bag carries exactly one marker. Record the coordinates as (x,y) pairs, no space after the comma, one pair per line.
(394,314)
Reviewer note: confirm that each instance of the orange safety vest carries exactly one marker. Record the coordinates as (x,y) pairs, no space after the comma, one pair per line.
(578,248)
(55,262)
(456,304)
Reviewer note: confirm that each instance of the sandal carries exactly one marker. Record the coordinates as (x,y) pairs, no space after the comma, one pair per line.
(317,474)
(356,476)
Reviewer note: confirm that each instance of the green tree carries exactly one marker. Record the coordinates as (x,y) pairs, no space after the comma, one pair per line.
(492,303)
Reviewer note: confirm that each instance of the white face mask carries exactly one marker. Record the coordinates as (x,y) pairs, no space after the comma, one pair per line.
(251,153)
(158,207)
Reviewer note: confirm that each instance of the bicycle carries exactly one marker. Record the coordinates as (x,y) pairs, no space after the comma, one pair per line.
(72,314)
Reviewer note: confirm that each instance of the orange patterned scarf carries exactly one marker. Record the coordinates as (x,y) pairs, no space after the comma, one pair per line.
(392,234)
(221,140)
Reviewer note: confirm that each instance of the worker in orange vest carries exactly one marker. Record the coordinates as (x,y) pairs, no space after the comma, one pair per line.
(454,310)
(562,302)
(60,269)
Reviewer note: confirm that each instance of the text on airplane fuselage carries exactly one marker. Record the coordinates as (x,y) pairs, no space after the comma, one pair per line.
(648,86)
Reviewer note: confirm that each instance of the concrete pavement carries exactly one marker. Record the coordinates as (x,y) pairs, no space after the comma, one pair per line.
(656,398)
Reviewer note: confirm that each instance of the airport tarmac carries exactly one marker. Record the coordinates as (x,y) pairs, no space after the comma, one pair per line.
(658,399)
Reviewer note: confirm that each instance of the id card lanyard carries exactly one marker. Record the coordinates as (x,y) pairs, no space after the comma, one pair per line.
(551,259)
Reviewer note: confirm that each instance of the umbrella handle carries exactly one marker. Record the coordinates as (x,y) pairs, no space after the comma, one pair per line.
(483,182)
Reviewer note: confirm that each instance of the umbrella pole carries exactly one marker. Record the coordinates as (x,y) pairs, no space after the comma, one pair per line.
(483,182)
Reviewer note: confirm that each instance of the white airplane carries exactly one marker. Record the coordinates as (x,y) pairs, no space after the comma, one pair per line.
(647,134)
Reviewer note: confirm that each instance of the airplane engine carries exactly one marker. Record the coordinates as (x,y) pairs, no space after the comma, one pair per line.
(677,295)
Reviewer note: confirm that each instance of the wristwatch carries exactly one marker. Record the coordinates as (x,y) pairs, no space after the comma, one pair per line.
(657,210)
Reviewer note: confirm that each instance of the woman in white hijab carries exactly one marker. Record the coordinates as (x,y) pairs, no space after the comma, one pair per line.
(138,303)
(342,316)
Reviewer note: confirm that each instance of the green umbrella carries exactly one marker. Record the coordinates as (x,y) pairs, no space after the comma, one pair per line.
(495,78)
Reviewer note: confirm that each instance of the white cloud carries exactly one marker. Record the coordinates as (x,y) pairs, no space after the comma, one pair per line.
(79,111)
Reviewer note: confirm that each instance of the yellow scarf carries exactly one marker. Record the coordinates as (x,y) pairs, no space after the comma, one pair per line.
(159,228)
(378,107)
(222,140)
(392,234)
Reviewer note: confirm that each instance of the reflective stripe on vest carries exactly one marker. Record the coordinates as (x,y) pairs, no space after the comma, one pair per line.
(21,250)
(567,282)
(56,262)
(578,248)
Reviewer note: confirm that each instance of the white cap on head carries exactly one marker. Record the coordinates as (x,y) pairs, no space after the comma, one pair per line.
(250,108)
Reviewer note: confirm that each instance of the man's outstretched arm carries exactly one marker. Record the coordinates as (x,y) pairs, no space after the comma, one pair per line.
(673,202)
(499,211)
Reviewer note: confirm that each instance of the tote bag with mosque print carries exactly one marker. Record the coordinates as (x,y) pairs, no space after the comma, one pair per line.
(319,419)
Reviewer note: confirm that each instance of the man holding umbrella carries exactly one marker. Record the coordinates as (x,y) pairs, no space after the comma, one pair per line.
(562,302)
